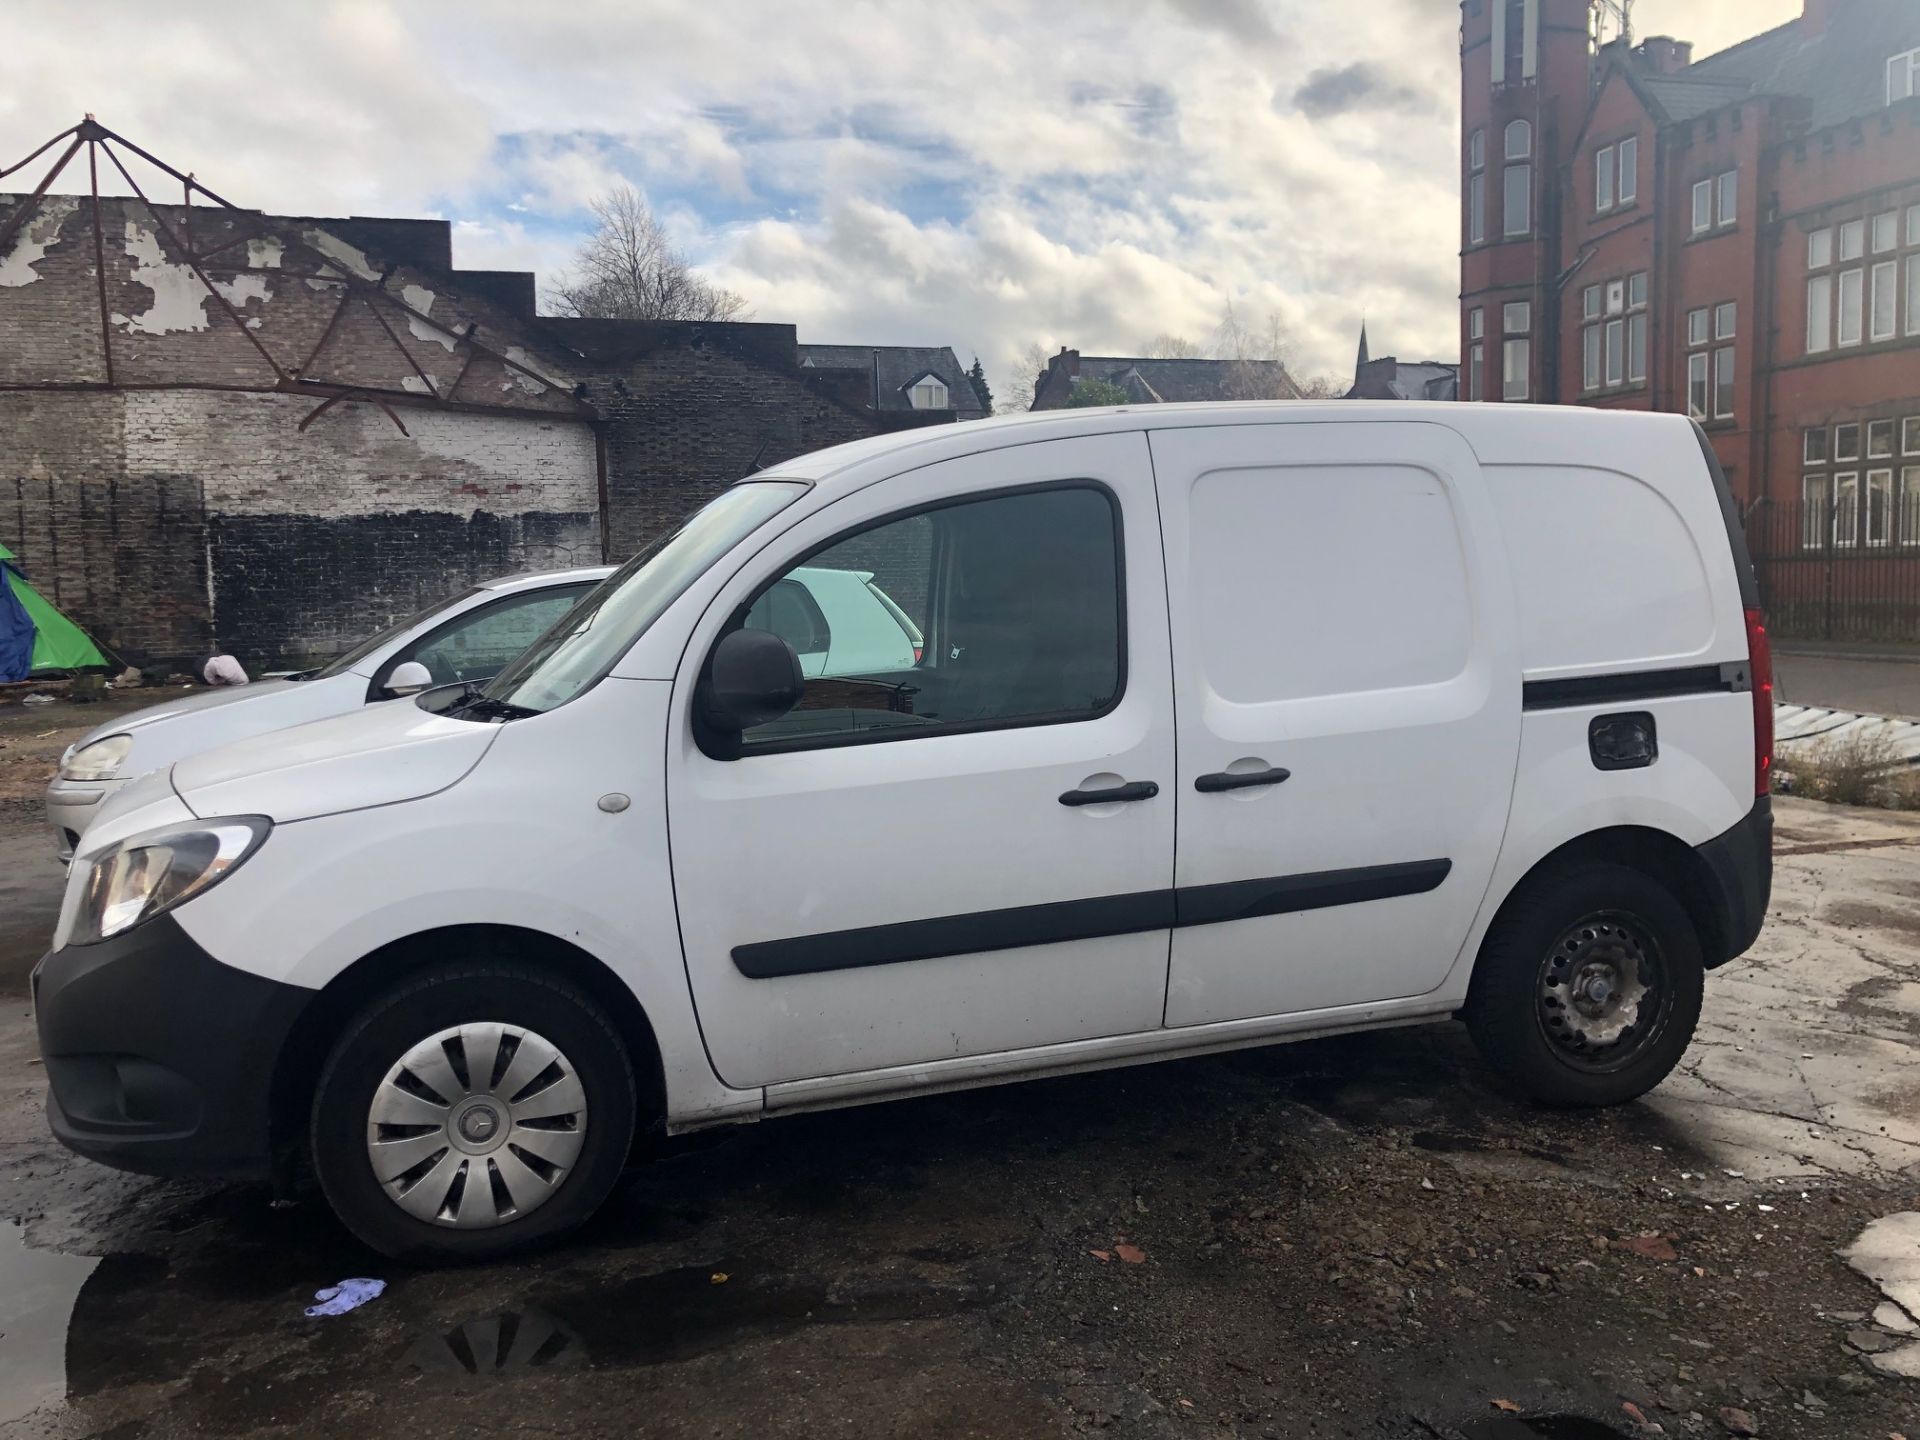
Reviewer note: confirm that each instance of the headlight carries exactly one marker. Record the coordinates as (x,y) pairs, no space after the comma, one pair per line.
(99,761)
(148,874)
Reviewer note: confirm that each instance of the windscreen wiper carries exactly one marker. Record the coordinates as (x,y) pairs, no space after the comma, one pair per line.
(482,708)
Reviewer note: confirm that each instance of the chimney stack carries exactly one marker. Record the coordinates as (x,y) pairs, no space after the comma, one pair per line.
(1817,15)
(1665,55)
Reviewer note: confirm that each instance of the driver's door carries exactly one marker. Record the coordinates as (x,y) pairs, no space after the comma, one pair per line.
(888,875)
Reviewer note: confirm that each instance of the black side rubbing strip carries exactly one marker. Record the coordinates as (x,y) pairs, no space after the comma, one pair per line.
(1083,919)
(957,935)
(1636,685)
(1282,894)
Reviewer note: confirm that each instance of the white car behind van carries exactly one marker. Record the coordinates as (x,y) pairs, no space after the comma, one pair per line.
(1213,726)
(468,636)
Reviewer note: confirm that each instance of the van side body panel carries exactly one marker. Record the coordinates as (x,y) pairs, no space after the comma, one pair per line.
(1342,611)
(1622,569)
(521,841)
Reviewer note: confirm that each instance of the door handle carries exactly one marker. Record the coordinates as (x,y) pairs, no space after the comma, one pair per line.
(1133,790)
(1226,780)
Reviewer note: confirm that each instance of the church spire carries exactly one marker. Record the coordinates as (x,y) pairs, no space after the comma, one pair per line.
(1361,361)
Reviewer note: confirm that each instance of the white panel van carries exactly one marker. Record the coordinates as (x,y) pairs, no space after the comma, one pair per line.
(1193,727)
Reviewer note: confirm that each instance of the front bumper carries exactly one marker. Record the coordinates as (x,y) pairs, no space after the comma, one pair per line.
(159,1058)
(71,806)
(1741,864)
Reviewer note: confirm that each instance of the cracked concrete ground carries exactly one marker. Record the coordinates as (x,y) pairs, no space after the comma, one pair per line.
(1362,1236)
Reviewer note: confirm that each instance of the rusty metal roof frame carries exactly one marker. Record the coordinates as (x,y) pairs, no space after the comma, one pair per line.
(286,381)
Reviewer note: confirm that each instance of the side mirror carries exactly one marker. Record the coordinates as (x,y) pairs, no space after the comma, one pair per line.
(409,677)
(753,677)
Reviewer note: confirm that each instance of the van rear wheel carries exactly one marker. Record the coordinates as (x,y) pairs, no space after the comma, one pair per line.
(1589,986)
(472,1112)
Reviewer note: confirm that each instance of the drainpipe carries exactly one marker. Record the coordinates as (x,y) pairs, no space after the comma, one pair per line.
(1660,348)
(1766,266)
(600,475)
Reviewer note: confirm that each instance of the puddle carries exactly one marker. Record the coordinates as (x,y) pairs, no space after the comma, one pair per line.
(501,1345)
(37,1292)
(1540,1427)
(672,1316)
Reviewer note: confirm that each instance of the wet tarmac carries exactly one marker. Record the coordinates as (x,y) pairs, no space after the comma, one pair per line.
(37,1292)
(1545,1427)
(1360,1236)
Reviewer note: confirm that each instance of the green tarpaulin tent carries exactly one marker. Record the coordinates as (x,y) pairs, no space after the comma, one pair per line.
(58,643)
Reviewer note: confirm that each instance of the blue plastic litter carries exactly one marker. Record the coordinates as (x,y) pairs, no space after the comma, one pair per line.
(347,1295)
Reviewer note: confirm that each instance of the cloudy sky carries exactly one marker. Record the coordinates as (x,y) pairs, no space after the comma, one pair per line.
(979,173)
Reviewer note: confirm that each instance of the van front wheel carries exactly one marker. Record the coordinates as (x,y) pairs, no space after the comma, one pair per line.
(474,1111)
(1589,986)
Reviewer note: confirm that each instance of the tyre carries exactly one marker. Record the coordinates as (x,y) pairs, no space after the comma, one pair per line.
(1588,987)
(472,1112)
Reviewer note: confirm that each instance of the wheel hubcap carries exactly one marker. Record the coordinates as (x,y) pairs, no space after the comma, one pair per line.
(1600,998)
(476,1126)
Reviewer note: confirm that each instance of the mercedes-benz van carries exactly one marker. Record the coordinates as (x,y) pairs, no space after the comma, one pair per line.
(1221,725)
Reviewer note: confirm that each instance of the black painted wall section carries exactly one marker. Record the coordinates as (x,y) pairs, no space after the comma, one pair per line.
(291,590)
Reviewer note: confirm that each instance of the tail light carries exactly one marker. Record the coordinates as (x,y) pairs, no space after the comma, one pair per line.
(1760,662)
(918,651)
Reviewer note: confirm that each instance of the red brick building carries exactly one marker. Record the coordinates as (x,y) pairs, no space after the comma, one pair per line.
(1737,237)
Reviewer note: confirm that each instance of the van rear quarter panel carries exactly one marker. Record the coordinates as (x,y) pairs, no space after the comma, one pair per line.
(1621,564)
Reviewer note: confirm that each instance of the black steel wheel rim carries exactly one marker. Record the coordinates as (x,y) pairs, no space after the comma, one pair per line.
(1603,995)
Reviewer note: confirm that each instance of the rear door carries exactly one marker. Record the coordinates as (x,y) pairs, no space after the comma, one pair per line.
(1348,700)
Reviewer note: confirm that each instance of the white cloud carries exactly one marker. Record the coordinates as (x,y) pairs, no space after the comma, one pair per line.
(1088,175)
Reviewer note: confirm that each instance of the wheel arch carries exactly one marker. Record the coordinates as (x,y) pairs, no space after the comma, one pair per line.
(297,1070)
(1662,857)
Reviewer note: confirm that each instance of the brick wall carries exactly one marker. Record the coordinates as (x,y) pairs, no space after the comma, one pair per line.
(123,553)
(168,521)
(315,539)
(173,519)
(689,419)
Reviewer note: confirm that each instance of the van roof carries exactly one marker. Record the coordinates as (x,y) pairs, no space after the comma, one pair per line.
(1499,434)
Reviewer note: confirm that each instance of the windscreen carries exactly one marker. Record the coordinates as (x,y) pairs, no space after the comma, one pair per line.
(393,632)
(590,638)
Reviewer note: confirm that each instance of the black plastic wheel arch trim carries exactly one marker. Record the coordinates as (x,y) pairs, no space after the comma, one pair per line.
(1106,915)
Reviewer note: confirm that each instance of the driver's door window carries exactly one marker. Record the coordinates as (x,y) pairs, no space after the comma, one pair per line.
(994,612)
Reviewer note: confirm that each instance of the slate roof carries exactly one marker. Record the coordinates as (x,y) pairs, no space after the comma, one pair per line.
(1409,380)
(1153,382)
(1685,99)
(894,368)
(1841,72)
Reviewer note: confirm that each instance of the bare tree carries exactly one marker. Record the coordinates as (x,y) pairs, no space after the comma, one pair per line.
(628,269)
(1322,387)
(1023,379)
(1172,347)
(1258,352)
